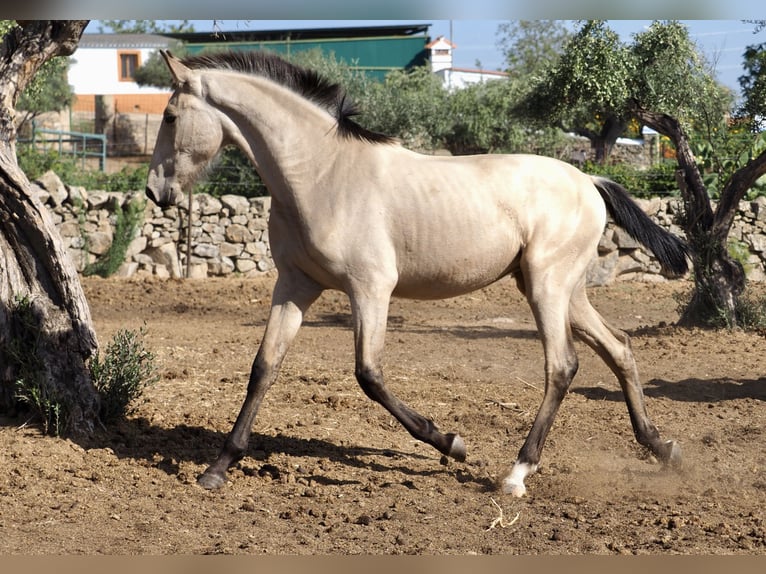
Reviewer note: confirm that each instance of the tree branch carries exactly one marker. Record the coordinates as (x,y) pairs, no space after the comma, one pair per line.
(734,190)
(699,211)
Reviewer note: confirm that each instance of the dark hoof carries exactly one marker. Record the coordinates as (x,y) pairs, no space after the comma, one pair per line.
(211,480)
(457,447)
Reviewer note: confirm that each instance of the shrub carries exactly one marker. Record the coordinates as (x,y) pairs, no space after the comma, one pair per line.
(34,163)
(119,376)
(128,219)
(122,375)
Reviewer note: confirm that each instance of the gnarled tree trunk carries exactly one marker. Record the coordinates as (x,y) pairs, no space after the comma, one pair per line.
(718,278)
(34,265)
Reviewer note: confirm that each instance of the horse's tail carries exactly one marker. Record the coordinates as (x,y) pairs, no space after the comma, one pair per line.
(670,251)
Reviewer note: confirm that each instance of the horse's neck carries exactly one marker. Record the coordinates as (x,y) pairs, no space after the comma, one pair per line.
(287,138)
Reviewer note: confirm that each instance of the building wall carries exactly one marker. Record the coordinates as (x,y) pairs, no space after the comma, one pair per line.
(96,71)
(125,103)
(375,56)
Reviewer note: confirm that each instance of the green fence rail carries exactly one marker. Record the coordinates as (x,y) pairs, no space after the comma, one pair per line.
(78,144)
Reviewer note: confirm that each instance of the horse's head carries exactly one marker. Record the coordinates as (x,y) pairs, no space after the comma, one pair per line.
(189,137)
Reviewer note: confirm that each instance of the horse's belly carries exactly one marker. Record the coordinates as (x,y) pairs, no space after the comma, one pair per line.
(453,274)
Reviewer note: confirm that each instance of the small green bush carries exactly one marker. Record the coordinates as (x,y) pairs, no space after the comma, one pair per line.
(126,369)
(119,376)
(128,220)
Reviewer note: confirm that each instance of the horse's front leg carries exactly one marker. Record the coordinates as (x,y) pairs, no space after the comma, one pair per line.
(370,318)
(289,302)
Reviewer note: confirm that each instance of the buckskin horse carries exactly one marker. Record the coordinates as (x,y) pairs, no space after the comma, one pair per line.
(355,211)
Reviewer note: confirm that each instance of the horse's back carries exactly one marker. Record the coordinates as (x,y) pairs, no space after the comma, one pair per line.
(459,223)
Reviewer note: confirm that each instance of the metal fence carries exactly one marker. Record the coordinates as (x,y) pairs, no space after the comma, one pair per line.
(78,144)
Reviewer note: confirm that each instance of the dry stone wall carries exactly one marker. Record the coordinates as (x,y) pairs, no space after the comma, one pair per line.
(229,236)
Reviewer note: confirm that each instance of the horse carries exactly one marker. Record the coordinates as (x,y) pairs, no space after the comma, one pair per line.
(354,210)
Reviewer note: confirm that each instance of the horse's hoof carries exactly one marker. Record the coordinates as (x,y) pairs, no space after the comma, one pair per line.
(673,457)
(457,448)
(514,489)
(211,480)
(513,484)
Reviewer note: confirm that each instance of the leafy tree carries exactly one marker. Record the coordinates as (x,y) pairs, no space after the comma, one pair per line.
(753,84)
(480,121)
(145,26)
(662,81)
(409,104)
(48,91)
(531,46)
(586,90)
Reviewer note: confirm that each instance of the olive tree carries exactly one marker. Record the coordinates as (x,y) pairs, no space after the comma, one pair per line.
(41,297)
(661,80)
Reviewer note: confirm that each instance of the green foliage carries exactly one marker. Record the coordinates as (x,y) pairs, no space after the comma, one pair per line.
(591,78)
(410,105)
(34,163)
(531,46)
(232,172)
(128,219)
(21,354)
(721,156)
(753,84)
(740,252)
(749,310)
(658,180)
(145,26)
(122,375)
(119,376)
(49,90)
(672,76)
(481,119)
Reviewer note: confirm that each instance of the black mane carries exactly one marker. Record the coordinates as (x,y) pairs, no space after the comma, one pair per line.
(304,82)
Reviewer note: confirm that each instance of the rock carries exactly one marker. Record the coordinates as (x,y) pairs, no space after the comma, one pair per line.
(99,242)
(208,204)
(236,204)
(52,183)
(236,233)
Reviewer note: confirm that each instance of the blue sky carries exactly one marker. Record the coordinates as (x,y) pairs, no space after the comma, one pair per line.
(722,41)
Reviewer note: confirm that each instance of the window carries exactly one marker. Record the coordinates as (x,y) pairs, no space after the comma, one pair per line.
(129,62)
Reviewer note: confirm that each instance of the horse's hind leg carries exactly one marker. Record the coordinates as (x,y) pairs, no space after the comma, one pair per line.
(613,346)
(370,318)
(289,302)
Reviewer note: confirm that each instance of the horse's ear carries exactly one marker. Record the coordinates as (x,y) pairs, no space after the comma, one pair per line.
(179,72)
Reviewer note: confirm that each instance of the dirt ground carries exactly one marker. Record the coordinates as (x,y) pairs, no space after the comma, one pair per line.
(329,472)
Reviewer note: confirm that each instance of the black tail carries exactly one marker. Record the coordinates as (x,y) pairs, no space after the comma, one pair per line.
(670,251)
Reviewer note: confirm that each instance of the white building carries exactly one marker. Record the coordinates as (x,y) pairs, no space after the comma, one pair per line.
(456,78)
(103,65)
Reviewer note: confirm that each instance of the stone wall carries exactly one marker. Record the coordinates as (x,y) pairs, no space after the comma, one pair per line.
(230,236)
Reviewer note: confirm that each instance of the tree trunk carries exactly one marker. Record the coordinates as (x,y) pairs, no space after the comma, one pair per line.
(34,264)
(719,280)
(602,142)
(610,131)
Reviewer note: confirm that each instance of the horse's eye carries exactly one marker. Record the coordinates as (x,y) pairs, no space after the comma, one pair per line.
(169,119)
